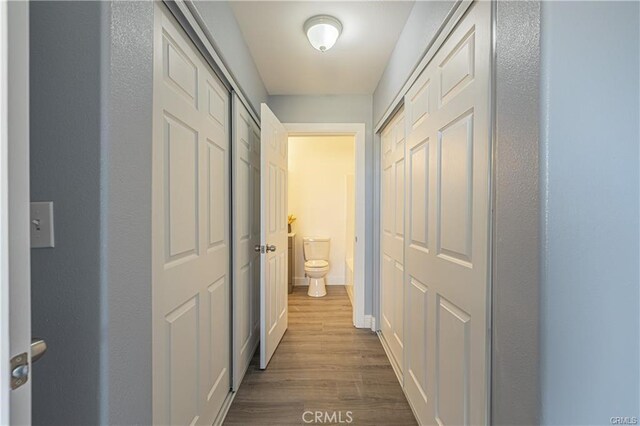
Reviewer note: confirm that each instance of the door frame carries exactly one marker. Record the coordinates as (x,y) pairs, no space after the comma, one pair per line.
(4,220)
(15,243)
(357,130)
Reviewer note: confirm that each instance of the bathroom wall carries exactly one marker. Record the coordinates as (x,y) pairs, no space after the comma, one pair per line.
(318,170)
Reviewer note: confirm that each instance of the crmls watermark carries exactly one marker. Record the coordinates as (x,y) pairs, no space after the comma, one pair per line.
(327,417)
(618,420)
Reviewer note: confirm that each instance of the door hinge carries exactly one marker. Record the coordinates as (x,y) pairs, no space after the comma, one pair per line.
(19,370)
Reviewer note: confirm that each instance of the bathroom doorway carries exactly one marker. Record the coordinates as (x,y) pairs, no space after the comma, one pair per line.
(326,202)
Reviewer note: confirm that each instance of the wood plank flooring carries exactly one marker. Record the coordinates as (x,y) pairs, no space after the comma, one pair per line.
(322,364)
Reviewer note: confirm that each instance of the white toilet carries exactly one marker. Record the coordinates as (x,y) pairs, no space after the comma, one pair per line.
(316,264)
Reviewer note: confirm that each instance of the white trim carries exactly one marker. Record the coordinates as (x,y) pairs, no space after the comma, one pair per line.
(443,32)
(368,320)
(15,208)
(4,221)
(359,267)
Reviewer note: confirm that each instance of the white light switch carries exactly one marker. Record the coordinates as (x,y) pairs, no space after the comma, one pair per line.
(42,224)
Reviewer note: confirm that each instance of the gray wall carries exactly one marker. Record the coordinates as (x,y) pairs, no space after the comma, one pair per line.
(125,203)
(91,154)
(65,168)
(338,109)
(230,45)
(590,213)
(421,28)
(515,289)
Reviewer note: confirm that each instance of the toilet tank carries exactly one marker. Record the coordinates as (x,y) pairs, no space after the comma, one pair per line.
(316,248)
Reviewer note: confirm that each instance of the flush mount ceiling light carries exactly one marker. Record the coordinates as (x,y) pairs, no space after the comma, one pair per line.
(322,31)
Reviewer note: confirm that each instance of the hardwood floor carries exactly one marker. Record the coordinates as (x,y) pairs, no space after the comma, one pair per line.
(323,364)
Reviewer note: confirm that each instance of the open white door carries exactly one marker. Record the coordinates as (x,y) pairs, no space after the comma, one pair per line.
(15,281)
(273,234)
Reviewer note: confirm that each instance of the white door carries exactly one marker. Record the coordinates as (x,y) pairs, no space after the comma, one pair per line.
(447,224)
(273,230)
(15,278)
(392,262)
(246,235)
(190,228)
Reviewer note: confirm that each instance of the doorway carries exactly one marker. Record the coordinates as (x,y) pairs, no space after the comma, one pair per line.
(321,211)
(348,257)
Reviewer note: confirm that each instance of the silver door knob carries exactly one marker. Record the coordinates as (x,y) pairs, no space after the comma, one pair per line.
(38,348)
(270,248)
(257,248)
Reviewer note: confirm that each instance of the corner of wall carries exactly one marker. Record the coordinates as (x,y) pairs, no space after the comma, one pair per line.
(125,209)
(515,383)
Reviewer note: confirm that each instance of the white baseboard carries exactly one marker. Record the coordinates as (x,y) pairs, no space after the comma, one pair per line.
(365,322)
(300,281)
(349,289)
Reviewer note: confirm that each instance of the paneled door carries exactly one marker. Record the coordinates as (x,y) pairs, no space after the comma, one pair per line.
(392,262)
(273,229)
(246,235)
(447,221)
(190,228)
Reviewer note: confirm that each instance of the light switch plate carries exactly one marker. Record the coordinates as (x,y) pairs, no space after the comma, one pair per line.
(42,224)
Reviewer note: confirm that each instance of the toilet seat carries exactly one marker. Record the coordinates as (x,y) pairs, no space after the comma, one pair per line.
(316,264)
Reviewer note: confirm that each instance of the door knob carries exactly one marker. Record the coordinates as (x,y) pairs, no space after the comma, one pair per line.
(270,248)
(38,348)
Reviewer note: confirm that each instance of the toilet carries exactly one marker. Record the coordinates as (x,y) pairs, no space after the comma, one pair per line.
(316,264)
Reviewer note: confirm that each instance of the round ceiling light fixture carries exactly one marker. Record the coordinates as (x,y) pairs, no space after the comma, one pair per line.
(322,31)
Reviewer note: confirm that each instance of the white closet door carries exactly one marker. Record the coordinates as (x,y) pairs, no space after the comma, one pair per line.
(246,235)
(447,223)
(191,298)
(392,262)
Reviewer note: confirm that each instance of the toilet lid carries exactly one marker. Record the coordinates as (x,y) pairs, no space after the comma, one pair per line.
(316,263)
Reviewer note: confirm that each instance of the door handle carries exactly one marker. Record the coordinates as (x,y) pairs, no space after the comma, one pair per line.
(264,249)
(38,348)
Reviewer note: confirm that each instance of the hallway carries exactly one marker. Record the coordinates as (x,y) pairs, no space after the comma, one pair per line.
(322,364)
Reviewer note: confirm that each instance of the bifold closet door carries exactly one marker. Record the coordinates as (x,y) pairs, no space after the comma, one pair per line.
(246,235)
(392,261)
(447,222)
(190,228)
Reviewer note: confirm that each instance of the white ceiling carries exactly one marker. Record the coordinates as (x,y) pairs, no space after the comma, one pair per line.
(289,65)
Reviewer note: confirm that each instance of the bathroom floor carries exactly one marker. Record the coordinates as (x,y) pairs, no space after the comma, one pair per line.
(323,364)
